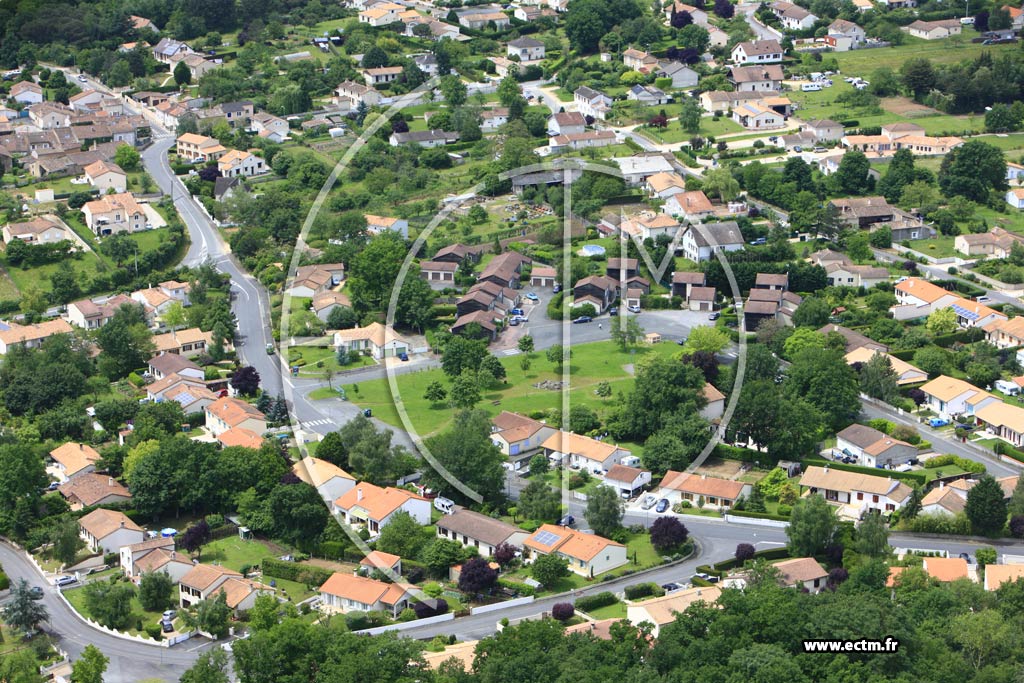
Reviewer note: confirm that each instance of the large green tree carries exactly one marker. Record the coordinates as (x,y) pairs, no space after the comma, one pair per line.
(604,510)
(986,507)
(468,455)
(973,170)
(125,342)
(813,526)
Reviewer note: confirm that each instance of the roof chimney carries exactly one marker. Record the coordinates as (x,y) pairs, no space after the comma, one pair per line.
(110,481)
(359,494)
(826,469)
(122,523)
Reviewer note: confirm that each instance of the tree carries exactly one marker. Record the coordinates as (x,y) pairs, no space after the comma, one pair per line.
(942,321)
(110,603)
(195,536)
(212,665)
(852,176)
(66,540)
(415,299)
(246,380)
(453,90)
(719,183)
(440,554)
(626,335)
(23,612)
(64,285)
(812,312)
(812,526)
(539,502)
(213,615)
(127,157)
(491,370)
(668,533)
(504,553)
(548,569)
(985,507)
(155,591)
(435,393)
(873,536)
(342,318)
(465,391)
(604,510)
(557,355)
(374,58)
(705,338)
(918,76)
(462,354)
(878,379)
(563,611)
(689,115)
(90,667)
(467,453)
(1016,504)
(125,341)
(402,535)
(539,465)
(525,344)
(999,19)
(744,552)
(584,27)
(822,378)
(973,170)
(477,576)
(724,9)
(182,74)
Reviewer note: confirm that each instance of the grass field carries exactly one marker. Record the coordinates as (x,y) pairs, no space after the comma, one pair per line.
(591,364)
(616,611)
(76,597)
(939,246)
(863,62)
(234,552)
(708,127)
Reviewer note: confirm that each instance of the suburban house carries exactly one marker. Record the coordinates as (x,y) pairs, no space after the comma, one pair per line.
(905,372)
(1006,333)
(202,581)
(714,407)
(325,302)
(664,610)
(373,507)
(195,148)
(588,138)
(996,243)
(683,282)
(13,335)
(700,242)
(26,92)
(855,493)
(90,489)
(439,274)
(475,530)
(649,225)
(349,95)
(757,116)
(375,225)
(1002,420)
(638,60)
(949,396)
(945,569)
(377,560)
(155,554)
(375,340)
(768,77)
(792,17)
(856,276)
(566,123)
(998,574)
(849,30)
(343,593)
(917,298)
(330,481)
(699,16)
(424,138)
(167,364)
(935,30)
(240,436)
(228,413)
(72,459)
(638,168)
(600,291)
(593,103)
(41,230)
(381,75)
(647,94)
(664,185)
(105,175)
(105,531)
(588,554)
(854,340)
(526,49)
(578,451)
(873,448)
(723,493)
(943,500)
(1015,197)
(802,573)
(317,278)
(239,164)
(757,52)
(189,342)
(627,480)
(381,14)
(114,213)
(693,205)
(518,436)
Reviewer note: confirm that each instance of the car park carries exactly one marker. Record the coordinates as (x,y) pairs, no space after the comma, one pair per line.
(662,505)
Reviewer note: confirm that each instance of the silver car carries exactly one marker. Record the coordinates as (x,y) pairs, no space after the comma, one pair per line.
(648,502)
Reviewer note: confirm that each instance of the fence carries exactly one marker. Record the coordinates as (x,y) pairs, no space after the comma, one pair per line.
(484,609)
(406,625)
(756,521)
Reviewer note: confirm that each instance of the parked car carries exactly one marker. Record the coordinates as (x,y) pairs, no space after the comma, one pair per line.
(582,319)
(270,349)
(568,520)
(171,613)
(516,311)
(166,626)
(531,296)
(65,580)
(35,592)
(614,310)
(81,78)
(633,309)
(648,502)
(760,240)
(714,315)
(403,356)
(558,288)
(671,587)
(367,413)
(662,505)
(937,422)
(513,321)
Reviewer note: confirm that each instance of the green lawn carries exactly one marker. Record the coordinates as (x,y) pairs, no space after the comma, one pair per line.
(639,548)
(939,246)
(616,611)
(864,62)
(321,354)
(76,597)
(234,552)
(673,133)
(591,363)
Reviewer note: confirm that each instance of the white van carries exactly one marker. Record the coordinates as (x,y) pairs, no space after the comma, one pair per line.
(810,87)
(444,505)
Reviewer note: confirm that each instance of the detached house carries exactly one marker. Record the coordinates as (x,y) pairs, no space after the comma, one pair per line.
(756,78)
(104,176)
(518,437)
(793,17)
(330,481)
(26,92)
(114,213)
(526,49)
(723,493)
(375,339)
(349,95)
(373,507)
(424,138)
(593,103)
(346,593)
(949,396)
(702,241)
(802,573)
(935,30)
(757,52)
(155,554)
(239,164)
(195,148)
(662,611)
(474,530)
(856,493)
(578,451)
(87,490)
(107,531)
(42,230)
(587,554)
(229,413)
(682,76)
(72,459)
(566,123)
(202,581)
(873,448)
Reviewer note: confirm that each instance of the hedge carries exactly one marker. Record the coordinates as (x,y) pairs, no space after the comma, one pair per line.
(1009,451)
(592,602)
(770,554)
(758,515)
(290,571)
(643,590)
(521,588)
(962,463)
(909,477)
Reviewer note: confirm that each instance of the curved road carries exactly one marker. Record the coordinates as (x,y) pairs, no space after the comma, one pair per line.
(130,660)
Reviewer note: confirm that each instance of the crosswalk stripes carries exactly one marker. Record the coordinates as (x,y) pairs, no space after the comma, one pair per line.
(317,423)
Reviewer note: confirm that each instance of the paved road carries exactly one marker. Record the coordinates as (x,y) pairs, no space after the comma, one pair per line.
(130,660)
(761,31)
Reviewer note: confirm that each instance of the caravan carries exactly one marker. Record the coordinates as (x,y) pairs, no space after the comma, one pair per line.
(444,505)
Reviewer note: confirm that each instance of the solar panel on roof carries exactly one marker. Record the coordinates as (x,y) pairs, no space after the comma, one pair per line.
(964,313)
(546,538)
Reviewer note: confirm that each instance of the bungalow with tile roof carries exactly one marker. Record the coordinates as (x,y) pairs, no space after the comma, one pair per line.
(664,185)
(588,555)
(1002,420)
(189,342)
(343,593)
(650,225)
(873,448)
(474,530)
(905,372)
(998,574)
(375,340)
(853,339)
(227,413)
(240,594)
(627,480)
(378,560)
(27,92)
(241,164)
(659,612)
(87,490)
(314,279)
(581,452)
(692,205)
(165,560)
(946,569)
(200,583)
(935,30)
(131,554)
(376,225)
(325,302)
(330,481)
(855,493)
(89,315)
(1005,333)
(949,396)
(106,175)
(72,459)
(943,500)
(41,230)
(13,335)
(802,573)
(373,507)
(856,276)
(518,436)
(172,364)
(240,436)
(716,492)
(107,531)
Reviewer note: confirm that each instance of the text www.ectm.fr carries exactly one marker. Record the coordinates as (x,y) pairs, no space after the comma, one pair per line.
(863,645)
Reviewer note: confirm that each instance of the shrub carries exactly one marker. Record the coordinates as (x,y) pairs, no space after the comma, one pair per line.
(290,571)
(592,602)
(744,552)
(1017,526)
(784,510)
(408,614)
(5,582)
(154,631)
(430,608)
(111,558)
(667,533)
(563,611)
(643,590)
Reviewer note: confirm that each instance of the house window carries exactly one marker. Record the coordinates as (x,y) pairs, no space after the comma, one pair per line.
(874,499)
(860,496)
